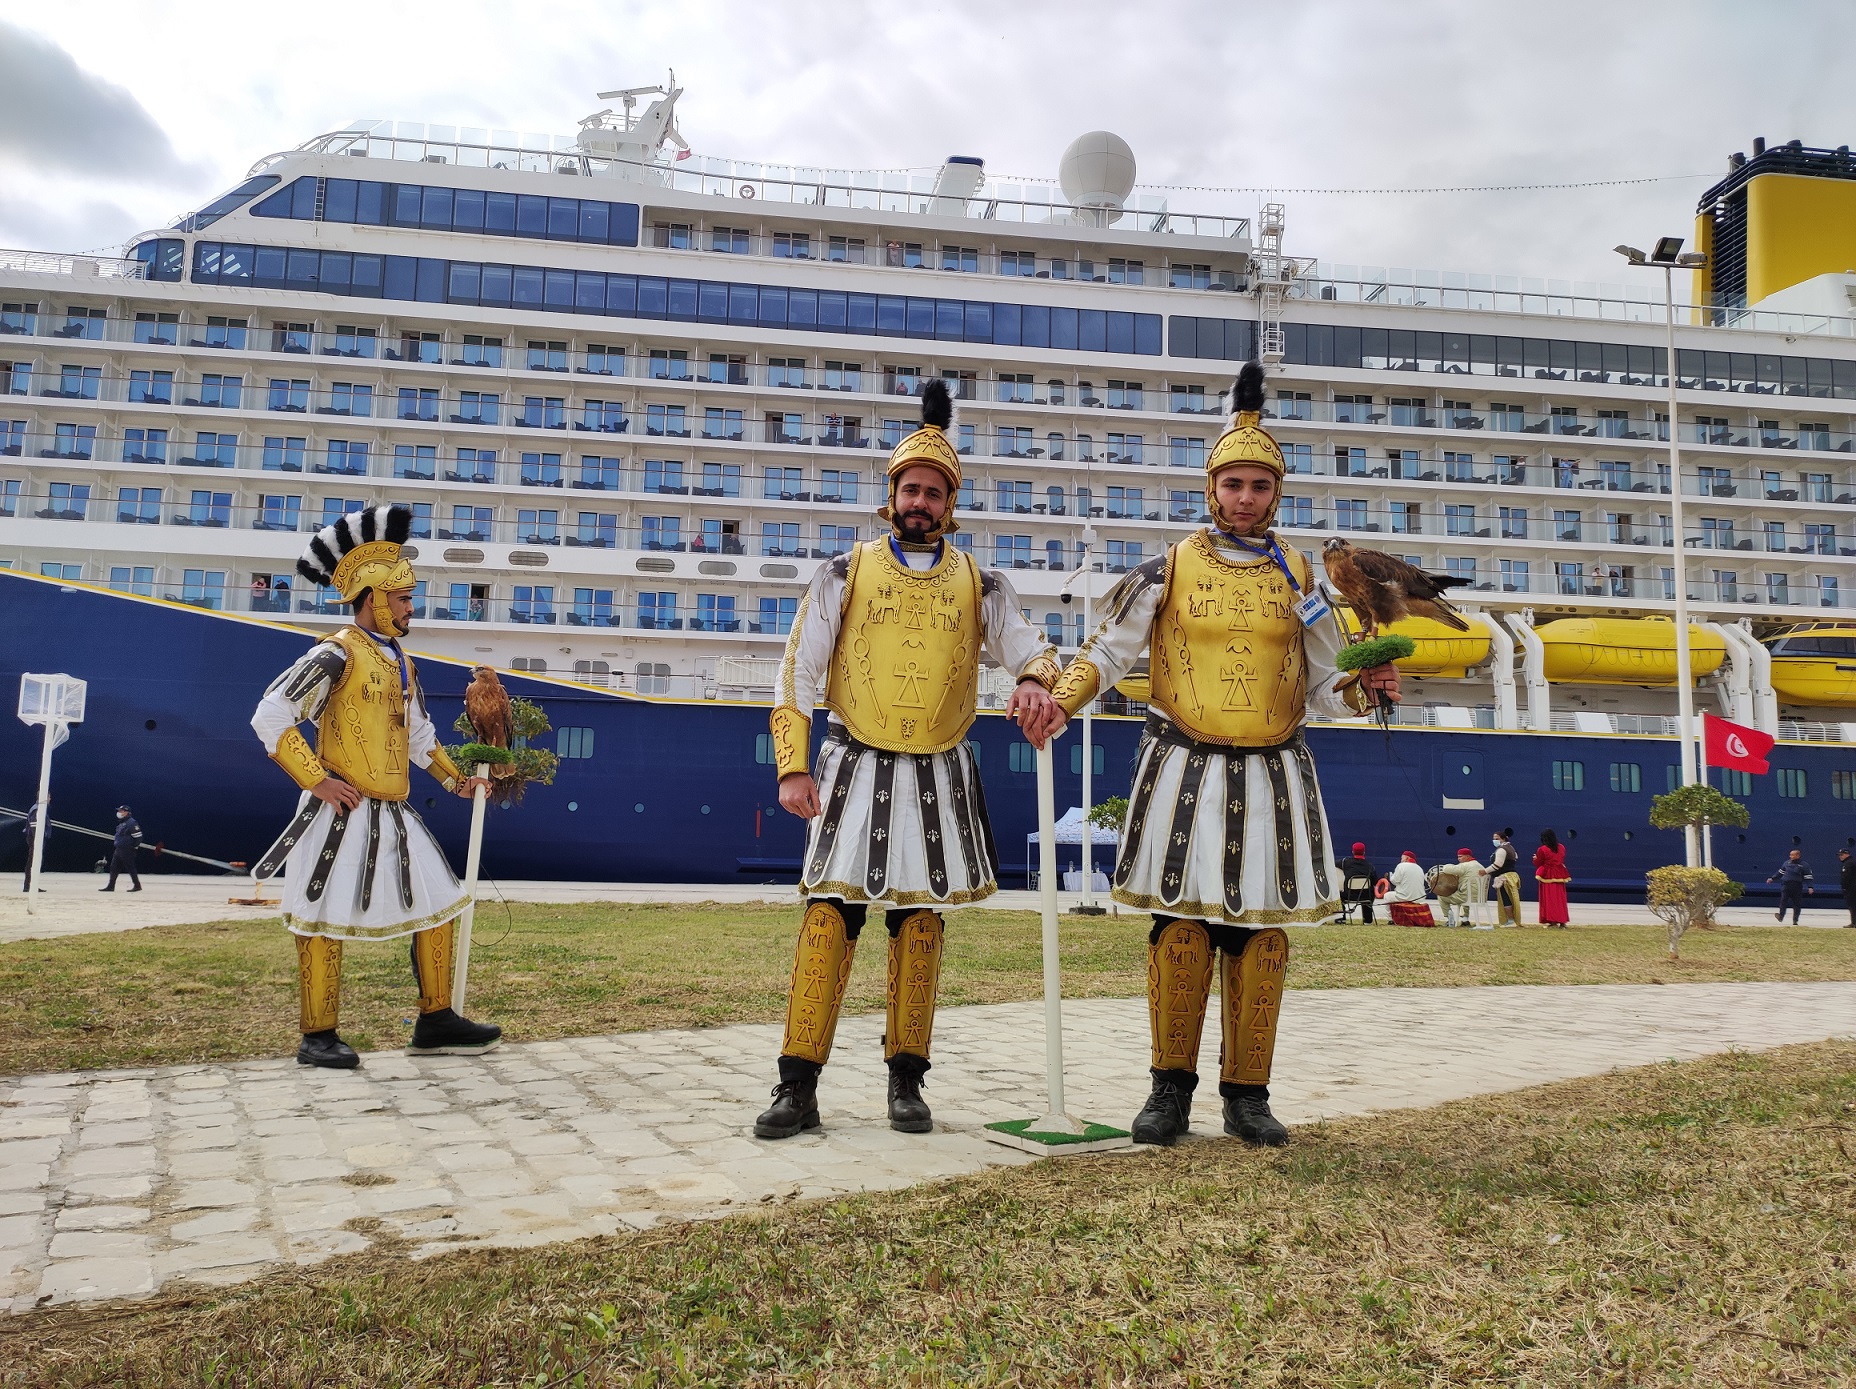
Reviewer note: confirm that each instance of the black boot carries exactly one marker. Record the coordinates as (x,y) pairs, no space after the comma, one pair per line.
(326,1049)
(908,1111)
(1247,1116)
(444,1033)
(1168,1111)
(795,1100)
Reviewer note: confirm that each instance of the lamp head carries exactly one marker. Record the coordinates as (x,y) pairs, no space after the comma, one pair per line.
(1691,260)
(1667,249)
(1632,254)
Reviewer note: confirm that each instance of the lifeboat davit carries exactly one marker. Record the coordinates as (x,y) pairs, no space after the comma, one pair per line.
(1815,663)
(1625,650)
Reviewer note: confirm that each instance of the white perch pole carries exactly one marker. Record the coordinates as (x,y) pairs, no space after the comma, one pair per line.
(1056,1121)
(42,811)
(472,858)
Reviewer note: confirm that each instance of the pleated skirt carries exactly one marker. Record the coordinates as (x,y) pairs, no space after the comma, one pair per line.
(904,829)
(371,874)
(1226,834)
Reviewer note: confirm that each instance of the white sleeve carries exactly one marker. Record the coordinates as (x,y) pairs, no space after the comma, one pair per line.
(1327,683)
(1009,639)
(814,637)
(1118,643)
(421,736)
(300,693)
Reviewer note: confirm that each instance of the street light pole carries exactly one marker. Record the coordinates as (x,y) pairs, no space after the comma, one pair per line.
(1668,255)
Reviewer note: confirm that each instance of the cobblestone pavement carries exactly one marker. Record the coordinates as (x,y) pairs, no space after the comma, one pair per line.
(115,1184)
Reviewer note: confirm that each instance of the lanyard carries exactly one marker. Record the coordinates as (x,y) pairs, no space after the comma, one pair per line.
(902,557)
(1273,553)
(398,655)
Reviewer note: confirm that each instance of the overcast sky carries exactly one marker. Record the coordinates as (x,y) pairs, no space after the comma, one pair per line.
(116,118)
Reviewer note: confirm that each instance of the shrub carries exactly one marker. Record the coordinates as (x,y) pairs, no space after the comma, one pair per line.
(512,771)
(1107,815)
(1688,897)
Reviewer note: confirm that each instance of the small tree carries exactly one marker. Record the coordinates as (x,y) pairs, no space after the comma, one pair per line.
(1697,806)
(1107,815)
(1688,897)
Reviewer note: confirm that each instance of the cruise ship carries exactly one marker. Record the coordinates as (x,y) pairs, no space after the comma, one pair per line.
(634,397)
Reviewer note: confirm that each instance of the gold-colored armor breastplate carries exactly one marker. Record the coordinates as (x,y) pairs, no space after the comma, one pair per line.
(362,736)
(1226,648)
(905,675)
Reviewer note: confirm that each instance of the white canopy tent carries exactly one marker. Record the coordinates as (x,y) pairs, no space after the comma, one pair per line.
(1069,830)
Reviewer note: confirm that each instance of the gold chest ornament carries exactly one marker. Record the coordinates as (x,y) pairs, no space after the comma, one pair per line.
(905,675)
(362,735)
(1226,648)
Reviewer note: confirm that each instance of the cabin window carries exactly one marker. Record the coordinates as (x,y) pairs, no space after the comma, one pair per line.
(1843,786)
(1790,782)
(573,742)
(1626,776)
(1569,776)
(1021,757)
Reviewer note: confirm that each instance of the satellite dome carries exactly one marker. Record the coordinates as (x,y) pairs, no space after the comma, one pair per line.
(1097,170)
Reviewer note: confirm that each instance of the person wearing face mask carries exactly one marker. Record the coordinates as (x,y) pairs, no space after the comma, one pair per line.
(1225,838)
(128,839)
(358,862)
(1505,878)
(894,631)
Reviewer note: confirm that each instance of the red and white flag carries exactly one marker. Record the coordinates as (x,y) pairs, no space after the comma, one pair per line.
(1735,745)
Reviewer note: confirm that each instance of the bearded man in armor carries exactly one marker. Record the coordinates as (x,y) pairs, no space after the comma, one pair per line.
(1225,838)
(894,631)
(358,862)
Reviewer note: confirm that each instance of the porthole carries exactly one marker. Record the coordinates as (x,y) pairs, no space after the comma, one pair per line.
(705,810)
(150,725)
(1450,829)
(573,805)
(638,809)
(431,802)
(1627,834)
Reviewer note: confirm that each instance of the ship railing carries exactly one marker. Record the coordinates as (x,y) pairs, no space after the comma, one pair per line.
(1812,731)
(1616,302)
(752,181)
(76,267)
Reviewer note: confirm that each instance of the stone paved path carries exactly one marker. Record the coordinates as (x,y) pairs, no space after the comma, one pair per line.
(115,1184)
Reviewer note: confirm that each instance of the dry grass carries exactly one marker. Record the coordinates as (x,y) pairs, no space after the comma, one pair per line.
(1676,1225)
(178,994)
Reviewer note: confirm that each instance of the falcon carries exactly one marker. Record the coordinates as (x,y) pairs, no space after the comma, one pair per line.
(1382,588)
(486,705)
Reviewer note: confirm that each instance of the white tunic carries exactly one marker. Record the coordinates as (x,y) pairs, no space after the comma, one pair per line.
(388,877)
(903,829)
(1222,835)
(1406,883)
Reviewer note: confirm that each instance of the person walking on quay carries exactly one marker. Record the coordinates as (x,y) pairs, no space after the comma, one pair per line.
(1357,877)
(1225,838)
(1794,880)
(35,815)
(358,862)
(1505,879)
(893,630)
(1550,879)
(122,852)
(1846,875)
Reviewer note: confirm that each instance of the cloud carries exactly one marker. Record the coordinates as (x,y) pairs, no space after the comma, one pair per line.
(55,117)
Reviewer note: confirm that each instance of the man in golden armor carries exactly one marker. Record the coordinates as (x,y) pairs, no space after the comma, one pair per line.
(358,862)
(894,631)
(1225,838)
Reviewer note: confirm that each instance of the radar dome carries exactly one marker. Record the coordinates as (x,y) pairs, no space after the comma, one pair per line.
(1097,170)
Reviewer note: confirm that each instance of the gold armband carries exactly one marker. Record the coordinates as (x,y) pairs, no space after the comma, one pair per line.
(1078,684)
(294,756)
(1044,670)
(792,740)
(442,767)
(1355,696)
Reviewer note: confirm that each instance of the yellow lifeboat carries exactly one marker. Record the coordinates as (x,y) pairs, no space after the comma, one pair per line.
(1135,687)
(1624,650)
(1814,663)
(1441,650)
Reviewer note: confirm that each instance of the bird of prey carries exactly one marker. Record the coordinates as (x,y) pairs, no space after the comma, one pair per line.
(1382,588)
(486,705)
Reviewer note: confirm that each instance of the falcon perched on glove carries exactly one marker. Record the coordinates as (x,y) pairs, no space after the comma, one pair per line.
(1382,588)
(486,705)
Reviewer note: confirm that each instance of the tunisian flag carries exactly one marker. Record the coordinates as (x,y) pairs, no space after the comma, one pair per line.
(1735,745)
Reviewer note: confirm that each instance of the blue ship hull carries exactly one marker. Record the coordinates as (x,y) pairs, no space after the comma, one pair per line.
(673,791)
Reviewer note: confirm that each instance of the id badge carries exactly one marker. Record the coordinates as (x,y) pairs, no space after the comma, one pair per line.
(1313,608)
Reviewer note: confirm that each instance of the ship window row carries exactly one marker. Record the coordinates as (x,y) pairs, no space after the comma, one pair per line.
(370,203)
(1788,783)
(1543,359)
(431,280)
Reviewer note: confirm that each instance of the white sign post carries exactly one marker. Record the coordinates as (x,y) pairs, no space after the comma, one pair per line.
(56,702)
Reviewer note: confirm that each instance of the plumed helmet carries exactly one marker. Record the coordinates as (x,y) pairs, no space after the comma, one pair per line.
(361,551)
(929,445)
(1246,441)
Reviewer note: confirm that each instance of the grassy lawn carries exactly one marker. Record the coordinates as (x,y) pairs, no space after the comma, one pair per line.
(192,993)
(1680,1224)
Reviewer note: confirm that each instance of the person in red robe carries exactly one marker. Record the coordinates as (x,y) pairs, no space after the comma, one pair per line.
(1550,876)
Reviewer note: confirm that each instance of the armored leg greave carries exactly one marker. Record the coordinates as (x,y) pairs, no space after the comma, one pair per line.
(432,954)
(319,977)
(914,980)
(1252,986)
(821,970)
(1179,981)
